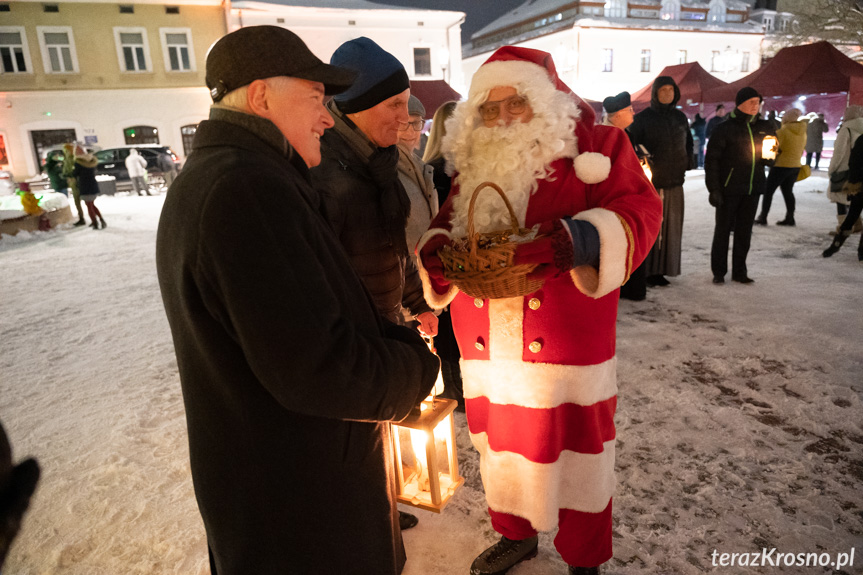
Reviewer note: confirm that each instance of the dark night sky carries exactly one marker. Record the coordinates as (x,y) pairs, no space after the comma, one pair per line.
(479,12)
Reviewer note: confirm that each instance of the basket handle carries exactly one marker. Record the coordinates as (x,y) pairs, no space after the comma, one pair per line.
(471,230)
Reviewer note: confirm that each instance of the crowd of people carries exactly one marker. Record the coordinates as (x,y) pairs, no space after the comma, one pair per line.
(300,257)
(670,144)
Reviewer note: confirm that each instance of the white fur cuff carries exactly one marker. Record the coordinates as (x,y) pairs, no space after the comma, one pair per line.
(434,299)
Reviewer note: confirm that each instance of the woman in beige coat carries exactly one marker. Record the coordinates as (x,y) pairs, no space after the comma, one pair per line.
(783,173)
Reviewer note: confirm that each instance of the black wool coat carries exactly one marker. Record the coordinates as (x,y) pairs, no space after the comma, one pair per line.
(732,163)
(664,131)
(287,378)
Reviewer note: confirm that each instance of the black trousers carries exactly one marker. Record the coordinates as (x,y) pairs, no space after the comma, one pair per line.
(809,159)
(737,213)
(784,179)
(854,211)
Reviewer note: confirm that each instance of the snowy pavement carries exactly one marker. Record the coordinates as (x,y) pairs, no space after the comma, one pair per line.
(740,415)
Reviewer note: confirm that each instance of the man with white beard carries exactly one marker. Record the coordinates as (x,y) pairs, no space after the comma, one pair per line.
(539,371)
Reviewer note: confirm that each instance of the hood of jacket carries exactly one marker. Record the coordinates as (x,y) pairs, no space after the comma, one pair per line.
(654,98)
(796,128)
(855,125)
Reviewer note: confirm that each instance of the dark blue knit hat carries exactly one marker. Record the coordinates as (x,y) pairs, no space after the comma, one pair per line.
(379,75)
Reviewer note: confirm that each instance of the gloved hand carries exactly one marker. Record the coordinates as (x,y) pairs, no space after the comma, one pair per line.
(715,199)
(553,252)
(432,263)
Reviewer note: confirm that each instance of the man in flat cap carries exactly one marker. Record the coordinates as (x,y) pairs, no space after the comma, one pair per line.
(289,375)
(618,111)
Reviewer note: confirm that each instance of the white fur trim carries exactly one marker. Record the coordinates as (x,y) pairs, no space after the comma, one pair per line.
(507,73)
(613,255)
(536,491)
(592,167)
(505,334)
(434,299)
(551,385)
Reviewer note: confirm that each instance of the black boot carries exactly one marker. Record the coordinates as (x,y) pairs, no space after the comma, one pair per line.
(788,221)
(583,570)
(761,220)
(838,240)
(102,220)
(406,520)
(80,222)
(503,555)
(95,224)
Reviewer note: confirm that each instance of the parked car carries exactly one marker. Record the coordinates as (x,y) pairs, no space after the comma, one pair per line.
(112,161)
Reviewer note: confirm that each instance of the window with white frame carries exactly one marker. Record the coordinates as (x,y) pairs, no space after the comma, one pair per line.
(607,59)
(670,10)
(58,49)
(768,23)
(744,62)
(133,49)
(422,62)
(14,55)
(177,50)
(615,8)
(681,56)
(645,60)
(716,13)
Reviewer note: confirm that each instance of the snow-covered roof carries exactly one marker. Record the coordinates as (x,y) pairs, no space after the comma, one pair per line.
(527,11)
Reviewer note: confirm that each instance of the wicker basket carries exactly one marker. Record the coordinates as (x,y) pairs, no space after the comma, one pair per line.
(481,265)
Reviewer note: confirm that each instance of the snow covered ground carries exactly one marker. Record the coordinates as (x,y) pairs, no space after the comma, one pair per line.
(740,418)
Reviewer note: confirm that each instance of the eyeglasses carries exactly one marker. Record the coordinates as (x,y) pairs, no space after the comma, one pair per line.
(417,125)
(515,105)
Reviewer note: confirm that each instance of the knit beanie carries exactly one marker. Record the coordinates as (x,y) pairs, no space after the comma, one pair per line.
(379,75)
(746,93)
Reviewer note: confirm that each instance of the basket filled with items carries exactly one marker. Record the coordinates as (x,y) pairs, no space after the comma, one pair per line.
(482,265)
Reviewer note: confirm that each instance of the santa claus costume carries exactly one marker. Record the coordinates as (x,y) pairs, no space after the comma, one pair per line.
(540,371)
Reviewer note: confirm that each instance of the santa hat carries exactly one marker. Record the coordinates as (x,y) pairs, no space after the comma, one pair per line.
(516,66)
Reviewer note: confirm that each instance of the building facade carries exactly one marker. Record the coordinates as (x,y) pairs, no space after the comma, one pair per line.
(109,74)
(101,73)
(603,48)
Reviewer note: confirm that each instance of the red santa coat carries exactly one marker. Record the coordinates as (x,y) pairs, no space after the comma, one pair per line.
(539,371)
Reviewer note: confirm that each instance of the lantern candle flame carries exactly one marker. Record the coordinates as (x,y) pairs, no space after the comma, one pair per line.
(769,147)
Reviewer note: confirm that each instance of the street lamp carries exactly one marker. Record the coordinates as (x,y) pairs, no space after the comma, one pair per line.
(443,60)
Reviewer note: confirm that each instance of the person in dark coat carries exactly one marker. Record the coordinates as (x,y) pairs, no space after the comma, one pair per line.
(88,187)
(717,119)
(445,342)
(17,485)
(815,131)
(734,174)
(290,377)
(362,196)
(699,131)
(664,131)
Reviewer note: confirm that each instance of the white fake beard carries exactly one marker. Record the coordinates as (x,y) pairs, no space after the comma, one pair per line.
(514,157)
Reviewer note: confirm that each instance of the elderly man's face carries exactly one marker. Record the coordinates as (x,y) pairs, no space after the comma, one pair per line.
(665,94)
(409,134)
(296,107)
(750,106)
(381,123)
(623,118)
(504,106)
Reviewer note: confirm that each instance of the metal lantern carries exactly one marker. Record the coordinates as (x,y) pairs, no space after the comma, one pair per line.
(769,147)
(426,462)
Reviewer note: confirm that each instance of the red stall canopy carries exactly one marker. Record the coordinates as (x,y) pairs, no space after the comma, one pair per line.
(433,93)
(691,78)
(817,68)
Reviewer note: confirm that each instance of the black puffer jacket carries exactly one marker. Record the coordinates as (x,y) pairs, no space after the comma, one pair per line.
(733,163)
(664,131)
(352,204)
